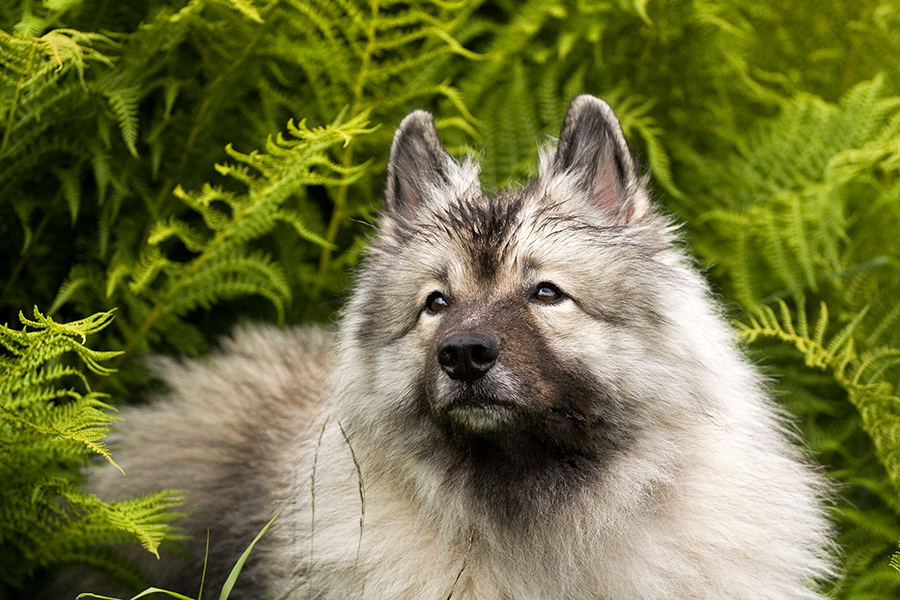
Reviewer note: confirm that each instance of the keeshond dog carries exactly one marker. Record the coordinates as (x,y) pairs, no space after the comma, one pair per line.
(531,395)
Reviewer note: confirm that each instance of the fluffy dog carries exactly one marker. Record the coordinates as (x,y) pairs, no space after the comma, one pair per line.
(531,395)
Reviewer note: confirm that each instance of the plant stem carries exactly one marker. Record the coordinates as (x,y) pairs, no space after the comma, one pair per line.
(15,102)
(25,254)
(340,198)
(211,92)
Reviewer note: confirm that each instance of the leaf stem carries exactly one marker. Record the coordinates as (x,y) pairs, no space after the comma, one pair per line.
(15,102)
(340,197)
(166,189)
(25,254)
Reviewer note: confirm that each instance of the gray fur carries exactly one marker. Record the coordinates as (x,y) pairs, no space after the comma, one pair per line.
(620,447)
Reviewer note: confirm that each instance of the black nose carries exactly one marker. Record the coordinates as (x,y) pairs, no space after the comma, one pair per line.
(467,356)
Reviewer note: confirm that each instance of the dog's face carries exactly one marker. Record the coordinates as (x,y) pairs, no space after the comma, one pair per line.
(521,330)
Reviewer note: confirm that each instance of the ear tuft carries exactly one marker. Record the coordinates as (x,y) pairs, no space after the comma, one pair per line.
(592,151)
(418,163)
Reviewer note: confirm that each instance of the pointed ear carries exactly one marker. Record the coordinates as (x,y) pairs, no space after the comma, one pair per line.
(593,154)
(418,164)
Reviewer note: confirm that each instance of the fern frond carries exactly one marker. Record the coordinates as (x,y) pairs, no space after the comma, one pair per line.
(223,266)
(794,186)
(152,264)
(65,46)
(74,421)
(145,518)
(53,426)
(511,121)
(895,561)
(861,375)
(295,220)
(246,8)
(123,103)
(38,64)
(192,239)
(231,275)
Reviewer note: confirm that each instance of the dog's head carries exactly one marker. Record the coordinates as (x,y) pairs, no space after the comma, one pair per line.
(522,333)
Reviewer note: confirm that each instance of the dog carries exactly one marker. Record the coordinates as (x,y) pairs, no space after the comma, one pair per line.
(531,394)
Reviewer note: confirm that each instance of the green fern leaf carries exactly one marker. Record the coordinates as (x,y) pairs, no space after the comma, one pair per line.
(222,265)
(861,375)
(792,198)
(123,105)
(53,426)
(246,8)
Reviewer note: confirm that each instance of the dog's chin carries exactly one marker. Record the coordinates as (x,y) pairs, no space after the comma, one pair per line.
(474,410)
(484,418)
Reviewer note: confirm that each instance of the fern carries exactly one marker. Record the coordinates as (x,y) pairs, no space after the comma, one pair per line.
(221,265)
(545,53)
(792,197)
(367,58)
(51,422)
(862,375)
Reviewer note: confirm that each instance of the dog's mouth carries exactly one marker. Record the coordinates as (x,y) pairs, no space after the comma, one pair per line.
(482,416)
(485,408)
(476,411)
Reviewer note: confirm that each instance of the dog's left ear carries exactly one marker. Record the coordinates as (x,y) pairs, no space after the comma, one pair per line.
(418,165)
(592,152)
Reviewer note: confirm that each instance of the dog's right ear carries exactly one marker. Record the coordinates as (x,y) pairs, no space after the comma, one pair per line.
(592,154)
(418,166)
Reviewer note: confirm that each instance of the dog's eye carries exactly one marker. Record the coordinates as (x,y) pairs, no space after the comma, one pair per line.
(547,293)
(436,302)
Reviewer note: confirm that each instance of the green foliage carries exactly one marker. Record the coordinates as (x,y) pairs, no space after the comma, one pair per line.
(895,561)
(227,587)
(860,375)
(803,189)
(50,423)
(202,258)
(128,177)
(804,212)
(103,133)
